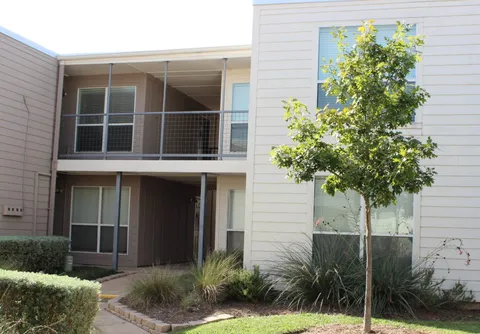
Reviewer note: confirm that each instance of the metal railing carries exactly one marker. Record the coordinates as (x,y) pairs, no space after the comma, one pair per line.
(186,135)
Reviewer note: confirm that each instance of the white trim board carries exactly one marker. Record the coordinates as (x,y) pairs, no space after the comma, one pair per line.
(27,42)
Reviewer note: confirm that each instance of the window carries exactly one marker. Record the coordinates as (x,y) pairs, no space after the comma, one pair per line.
(92,219)
(328,51)
(239,122)
(236,220)
(90,129)
(339,221)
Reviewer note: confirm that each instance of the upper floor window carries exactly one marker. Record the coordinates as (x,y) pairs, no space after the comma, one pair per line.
(339,221)
(239,121)
(90,129)
(328,50)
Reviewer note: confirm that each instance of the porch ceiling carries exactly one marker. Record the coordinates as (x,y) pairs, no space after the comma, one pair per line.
(200,79)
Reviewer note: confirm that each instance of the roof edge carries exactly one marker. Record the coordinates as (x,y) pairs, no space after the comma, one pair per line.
(190,53)
(27,42)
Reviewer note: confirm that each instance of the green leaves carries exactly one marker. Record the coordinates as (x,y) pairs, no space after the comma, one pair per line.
(360,145)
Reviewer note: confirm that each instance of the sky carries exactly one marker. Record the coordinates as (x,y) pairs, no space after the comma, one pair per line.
(93,26)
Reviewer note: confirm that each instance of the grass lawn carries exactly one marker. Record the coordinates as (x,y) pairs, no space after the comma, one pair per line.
(90,273)
(296,322)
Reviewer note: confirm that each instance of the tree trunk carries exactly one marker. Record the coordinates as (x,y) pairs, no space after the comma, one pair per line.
(367,316)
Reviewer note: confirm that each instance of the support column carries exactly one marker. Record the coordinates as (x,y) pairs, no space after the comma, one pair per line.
(106,118)
(203,211)
(116,227)
(162,128)
(222,111)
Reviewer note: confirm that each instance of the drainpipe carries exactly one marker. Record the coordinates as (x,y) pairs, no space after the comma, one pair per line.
(56,137)
(35,199)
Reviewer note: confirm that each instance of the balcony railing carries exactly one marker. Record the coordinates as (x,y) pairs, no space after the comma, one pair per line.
(170,135)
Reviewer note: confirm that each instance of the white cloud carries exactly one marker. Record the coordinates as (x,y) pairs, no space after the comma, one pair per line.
(110,26)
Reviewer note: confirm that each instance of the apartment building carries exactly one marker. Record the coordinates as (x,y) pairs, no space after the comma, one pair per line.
(28,89)
(168,142)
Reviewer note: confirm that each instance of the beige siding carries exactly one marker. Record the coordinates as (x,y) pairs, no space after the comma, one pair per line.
(124,260)
(27,106)
(225,183)
(284,65)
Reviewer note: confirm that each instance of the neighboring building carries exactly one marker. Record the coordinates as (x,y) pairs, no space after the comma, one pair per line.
(28,89)
(199,141)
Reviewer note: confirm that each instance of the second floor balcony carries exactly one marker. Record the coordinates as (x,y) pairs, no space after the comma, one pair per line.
(155,110)
(170,135)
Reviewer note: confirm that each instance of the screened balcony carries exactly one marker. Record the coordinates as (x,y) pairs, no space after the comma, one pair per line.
(182,135)
(182,110)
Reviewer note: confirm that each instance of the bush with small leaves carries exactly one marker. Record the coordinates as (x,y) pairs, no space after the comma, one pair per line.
(250,286)
(47,303)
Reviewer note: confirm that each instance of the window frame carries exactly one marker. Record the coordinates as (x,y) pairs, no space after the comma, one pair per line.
(415,236)
(232,121)
(229,216)
(99,224)
(417,80)
(77,123)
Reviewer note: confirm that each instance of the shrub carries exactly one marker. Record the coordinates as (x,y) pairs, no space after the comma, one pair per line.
(322,279)
(46,254)
(190,301)
(210,280)
(250,286)
(334,275)
(63,304)
(159,286)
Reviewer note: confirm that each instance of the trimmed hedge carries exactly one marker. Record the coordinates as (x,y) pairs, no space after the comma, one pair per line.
(46,254)
(60,303)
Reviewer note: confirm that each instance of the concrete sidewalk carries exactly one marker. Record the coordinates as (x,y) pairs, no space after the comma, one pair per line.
(107,323)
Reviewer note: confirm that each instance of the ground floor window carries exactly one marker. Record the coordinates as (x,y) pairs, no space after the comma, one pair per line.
(236,220)
(92,219)
(339,223)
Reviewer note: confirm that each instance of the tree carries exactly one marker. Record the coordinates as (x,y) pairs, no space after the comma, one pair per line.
(360,145)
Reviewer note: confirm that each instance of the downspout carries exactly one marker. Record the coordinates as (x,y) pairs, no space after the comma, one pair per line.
(56,137)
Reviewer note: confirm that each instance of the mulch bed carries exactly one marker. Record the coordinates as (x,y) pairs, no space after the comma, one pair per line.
(356,329)
(175,314)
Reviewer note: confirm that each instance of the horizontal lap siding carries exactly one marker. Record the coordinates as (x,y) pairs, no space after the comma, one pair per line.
(284,58)
(28,81)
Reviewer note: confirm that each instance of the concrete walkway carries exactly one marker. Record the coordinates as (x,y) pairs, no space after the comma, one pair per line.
(107,323)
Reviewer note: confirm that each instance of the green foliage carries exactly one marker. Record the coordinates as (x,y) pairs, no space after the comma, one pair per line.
(191,300)
(323,279)
(334,276)
(211,280)
(223,254)
(45,254)
(155,287)
(250,286)
(368,154)
(63,304)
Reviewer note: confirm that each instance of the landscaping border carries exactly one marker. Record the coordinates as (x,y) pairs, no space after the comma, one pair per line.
(155,326)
